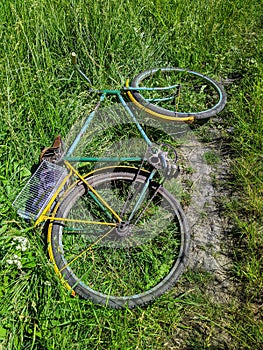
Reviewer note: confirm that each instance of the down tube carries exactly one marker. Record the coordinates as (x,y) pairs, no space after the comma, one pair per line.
(148,141)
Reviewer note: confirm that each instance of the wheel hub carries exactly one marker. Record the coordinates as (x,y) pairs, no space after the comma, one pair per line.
(123,229)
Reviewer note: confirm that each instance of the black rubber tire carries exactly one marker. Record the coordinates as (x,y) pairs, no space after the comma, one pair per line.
(162,112)
(133,252)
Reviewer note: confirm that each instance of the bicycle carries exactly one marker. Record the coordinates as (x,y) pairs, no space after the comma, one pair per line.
(116,235)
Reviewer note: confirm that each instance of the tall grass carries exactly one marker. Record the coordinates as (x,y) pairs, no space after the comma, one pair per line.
(41,96)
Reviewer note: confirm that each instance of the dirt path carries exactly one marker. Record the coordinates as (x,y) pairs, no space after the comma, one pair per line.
(210,226)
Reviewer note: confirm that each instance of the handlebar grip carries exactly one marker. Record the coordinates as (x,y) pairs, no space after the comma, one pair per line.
(73,58)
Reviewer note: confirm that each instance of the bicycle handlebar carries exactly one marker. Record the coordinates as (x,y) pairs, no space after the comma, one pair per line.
(73,58)
(74,61)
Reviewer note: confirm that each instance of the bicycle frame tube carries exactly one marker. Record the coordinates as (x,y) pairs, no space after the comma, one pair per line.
(149,143)
(142,88)
(98,159)
(84,127)
(99,200)
(89,119)
(142,195)
(68,156)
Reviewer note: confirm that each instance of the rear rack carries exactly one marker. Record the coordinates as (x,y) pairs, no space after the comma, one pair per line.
(39,189)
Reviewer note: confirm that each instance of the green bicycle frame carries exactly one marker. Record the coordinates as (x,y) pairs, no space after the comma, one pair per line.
(68,156)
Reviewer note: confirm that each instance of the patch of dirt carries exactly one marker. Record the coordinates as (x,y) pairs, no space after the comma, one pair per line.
(210,227)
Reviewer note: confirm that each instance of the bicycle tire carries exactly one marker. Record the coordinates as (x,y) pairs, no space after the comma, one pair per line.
(131,284)
(203,90)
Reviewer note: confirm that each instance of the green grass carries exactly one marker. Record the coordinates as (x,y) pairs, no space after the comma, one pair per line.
(41,96)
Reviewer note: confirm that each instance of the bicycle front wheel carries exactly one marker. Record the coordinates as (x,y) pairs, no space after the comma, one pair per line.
(119,264)
(177,94)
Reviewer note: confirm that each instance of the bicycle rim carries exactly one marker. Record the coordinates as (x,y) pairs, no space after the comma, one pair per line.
(193,95)
(113,266)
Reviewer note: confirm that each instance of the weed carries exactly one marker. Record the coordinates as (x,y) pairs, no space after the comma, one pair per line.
(211,158)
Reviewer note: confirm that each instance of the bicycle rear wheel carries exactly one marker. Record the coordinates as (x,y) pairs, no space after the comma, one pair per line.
(190,95)
(119,264)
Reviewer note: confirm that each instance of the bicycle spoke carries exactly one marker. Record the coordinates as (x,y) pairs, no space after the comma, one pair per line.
(149,201)
(100,198)
(131,189)
(86,250)
(89,222)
